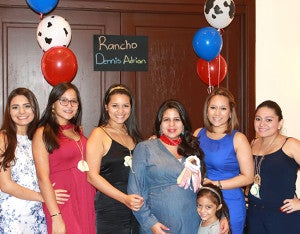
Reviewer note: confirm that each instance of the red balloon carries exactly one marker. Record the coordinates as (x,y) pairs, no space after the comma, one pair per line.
(59,64)
(213,72)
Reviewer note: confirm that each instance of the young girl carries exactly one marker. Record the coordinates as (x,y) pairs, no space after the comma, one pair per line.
(211,207)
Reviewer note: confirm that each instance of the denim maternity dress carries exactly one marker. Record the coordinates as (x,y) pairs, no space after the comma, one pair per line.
(154,176)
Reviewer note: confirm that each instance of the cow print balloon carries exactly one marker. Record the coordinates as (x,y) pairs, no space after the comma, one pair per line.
(53,31)
(219,13)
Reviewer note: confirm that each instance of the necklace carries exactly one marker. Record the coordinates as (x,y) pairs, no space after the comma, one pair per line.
(257,178)
(169,141)
(82,164)
(127,158)
(118,130)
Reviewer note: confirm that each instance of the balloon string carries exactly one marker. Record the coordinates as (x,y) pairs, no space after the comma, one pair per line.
(219,64)
(210,87)
(41,16)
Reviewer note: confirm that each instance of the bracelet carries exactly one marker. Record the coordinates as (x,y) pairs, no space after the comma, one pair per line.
(219,184)
(55,214)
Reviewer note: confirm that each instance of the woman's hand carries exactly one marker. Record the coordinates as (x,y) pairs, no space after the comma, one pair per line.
(290,205)
(208,181)
(58,225)
(159,228)
(134,202)
(61,195)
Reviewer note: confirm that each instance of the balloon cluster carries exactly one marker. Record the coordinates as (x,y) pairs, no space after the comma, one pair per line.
(208,42)
(59,63)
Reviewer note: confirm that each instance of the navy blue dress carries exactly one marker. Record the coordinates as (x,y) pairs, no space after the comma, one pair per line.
(278,178)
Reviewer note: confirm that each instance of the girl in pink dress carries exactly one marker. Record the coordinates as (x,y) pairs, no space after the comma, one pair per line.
(59,154)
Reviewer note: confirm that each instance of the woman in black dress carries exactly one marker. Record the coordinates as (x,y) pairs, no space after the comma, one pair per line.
(109,151)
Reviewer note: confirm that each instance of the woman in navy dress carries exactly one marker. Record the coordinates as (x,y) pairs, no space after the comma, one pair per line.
(273,205)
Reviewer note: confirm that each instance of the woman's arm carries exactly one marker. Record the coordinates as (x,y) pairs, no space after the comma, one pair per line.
(196,132)
(7,185)
(246,163)
(137,185)
(97,146)
(41,159)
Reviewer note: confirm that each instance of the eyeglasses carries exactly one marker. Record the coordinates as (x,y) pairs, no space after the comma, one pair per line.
(65,102)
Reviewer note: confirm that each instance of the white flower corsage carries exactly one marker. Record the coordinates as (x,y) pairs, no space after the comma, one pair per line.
(128,161)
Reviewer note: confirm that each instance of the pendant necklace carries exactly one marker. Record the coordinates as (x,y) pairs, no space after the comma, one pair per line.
(254,190)
(82,164)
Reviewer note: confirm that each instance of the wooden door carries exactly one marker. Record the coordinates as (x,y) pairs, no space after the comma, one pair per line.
(172,64)
(21,57)
(170,26)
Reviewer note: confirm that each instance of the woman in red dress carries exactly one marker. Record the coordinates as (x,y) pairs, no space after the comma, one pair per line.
(59,154)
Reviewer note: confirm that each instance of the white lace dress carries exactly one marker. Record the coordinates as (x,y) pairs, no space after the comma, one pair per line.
(19,216)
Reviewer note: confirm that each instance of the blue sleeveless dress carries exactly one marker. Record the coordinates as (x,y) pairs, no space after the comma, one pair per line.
(221,164)
(278,174)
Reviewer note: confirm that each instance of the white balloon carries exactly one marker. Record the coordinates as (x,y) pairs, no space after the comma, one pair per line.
(219,13)
(53,31)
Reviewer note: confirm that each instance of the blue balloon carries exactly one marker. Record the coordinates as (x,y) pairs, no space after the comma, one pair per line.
(207,43)
(42,6)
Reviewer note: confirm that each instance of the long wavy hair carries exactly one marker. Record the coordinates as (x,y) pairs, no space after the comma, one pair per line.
(9,128)
(49,121)
(189,145)
(131,122)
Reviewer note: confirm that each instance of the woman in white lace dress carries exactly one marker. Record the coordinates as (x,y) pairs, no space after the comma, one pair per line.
(20,200)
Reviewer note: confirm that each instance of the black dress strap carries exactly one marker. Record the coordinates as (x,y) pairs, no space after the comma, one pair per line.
(107,133)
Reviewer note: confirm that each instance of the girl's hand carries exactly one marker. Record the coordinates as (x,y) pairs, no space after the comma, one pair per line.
(290,205)
(159,228)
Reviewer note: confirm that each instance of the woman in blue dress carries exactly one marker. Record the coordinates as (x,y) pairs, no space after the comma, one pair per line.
(228,158)
(156,165)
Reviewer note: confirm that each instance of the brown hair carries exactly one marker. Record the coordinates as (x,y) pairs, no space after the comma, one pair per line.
(233,122)
(9,128)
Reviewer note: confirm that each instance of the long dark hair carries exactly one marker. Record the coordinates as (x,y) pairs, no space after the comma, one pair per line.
(215,194)
(9,128)
(49,121)
(189,145)
(131,123)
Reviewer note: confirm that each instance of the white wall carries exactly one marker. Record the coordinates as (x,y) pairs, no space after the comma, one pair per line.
(278,60)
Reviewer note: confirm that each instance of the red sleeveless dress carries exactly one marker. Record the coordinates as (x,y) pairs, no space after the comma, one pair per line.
(78,212)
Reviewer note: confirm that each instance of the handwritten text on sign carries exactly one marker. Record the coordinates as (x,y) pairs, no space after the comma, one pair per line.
(120,53)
